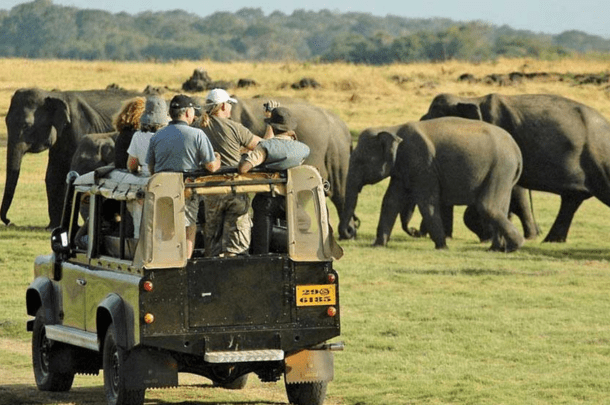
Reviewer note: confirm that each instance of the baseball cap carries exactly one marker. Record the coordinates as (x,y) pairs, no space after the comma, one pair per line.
(183,101)
(281,120)
(217,96)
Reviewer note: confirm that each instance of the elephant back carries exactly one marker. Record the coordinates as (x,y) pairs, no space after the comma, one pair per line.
(457,147)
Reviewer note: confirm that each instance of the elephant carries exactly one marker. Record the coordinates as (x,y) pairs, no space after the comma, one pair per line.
(358,177)
(93,151)
(324,132)
(565,145)
(436,164)
(38,120)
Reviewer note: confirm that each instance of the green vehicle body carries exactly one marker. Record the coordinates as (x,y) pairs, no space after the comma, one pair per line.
(271,312)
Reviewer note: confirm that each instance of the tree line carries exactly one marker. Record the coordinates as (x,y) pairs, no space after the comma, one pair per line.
(40,29)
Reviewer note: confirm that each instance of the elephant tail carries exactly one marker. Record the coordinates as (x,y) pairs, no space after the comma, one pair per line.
(532,208)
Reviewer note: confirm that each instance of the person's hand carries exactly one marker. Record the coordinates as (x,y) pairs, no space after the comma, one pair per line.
(217,155)
(270,106)
(291,134)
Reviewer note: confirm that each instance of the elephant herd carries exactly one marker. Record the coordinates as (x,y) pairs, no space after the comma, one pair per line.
(482,152)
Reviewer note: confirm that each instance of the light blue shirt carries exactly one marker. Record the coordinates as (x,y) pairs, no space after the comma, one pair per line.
(179,147)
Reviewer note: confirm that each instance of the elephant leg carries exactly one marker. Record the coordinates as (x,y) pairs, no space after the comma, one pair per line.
(406,214)
(55,181)
(393,203)
(475,222)
(431,212)
(506,236)
(447,218)
(339,198)
(519,205)
(423,229)
(561,226)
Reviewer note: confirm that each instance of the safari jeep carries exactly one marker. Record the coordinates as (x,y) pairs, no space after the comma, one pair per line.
(133,305)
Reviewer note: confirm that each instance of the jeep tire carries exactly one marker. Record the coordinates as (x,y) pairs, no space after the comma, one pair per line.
(45,353)
(114,373)
(306,393)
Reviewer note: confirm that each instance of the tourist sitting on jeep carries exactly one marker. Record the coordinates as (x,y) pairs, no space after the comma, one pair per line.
(178,147)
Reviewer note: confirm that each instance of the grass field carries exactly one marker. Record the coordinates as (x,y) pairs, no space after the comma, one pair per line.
(461,326)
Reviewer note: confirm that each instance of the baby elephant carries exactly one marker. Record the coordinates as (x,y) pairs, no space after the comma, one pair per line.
(439,163)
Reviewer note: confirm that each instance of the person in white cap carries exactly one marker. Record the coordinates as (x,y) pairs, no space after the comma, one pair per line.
(227,222)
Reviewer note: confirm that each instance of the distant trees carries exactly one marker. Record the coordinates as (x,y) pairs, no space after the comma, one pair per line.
(41,29)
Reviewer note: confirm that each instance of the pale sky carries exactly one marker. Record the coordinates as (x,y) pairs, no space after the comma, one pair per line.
(540,16)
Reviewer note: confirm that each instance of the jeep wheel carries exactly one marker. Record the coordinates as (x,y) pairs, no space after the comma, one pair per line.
(114,373)
(306,393)
(45,351)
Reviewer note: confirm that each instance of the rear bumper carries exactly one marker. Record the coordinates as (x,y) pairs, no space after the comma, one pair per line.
(287,340)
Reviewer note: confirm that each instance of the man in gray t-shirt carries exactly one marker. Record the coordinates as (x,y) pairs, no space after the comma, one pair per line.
(227,222)
(181,148)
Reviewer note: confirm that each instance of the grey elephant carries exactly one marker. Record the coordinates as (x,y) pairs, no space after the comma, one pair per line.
(93,151)
(565,145)
(358,177)
(38,120)
(436,164)
(324,132)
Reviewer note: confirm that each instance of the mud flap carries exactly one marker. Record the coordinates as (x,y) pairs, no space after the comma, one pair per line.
(150,369)
(308,366)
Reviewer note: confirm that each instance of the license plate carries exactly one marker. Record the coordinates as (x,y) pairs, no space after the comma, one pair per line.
(311,295)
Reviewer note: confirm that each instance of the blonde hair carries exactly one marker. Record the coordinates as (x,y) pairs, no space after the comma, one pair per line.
(129,115)
(209,110)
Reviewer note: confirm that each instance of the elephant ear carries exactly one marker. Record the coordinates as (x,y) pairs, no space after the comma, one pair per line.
(389,143)
(107,152)
(498,111)
(60,117)
(469,110)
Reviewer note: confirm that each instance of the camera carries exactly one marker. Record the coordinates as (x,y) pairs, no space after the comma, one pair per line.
(270,105)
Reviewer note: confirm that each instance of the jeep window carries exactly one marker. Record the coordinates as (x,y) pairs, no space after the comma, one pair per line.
(112,229)
(78,229)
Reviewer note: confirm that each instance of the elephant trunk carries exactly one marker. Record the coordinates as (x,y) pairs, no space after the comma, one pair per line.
(347,227)
(14,155)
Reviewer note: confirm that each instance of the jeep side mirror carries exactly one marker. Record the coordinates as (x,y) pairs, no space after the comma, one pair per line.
(59,241)
(61,248)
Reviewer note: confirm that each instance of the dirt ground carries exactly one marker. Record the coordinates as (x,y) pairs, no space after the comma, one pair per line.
(17,387)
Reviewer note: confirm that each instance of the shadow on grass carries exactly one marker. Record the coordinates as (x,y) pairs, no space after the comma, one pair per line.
(464,272)
(533,254)
(534,251)
(29,394)
(24,228)
(569,253)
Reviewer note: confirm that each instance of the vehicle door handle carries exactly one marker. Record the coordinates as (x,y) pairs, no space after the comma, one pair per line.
(81,282)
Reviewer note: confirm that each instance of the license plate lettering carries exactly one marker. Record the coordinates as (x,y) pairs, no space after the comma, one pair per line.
(311,295)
